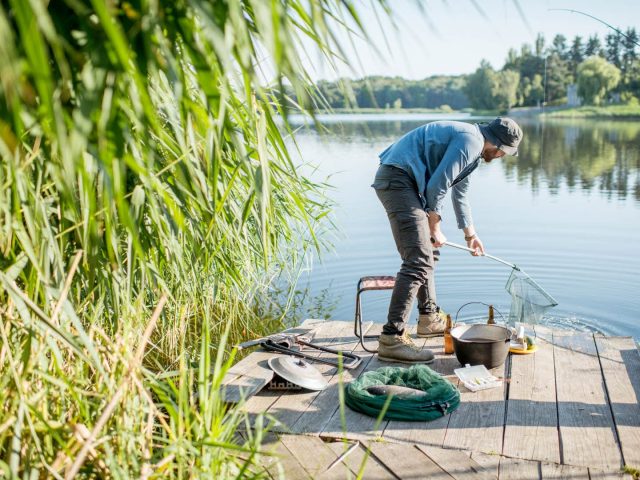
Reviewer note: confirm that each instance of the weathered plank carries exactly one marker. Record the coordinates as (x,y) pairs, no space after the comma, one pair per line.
(325,404)
(620,363)
(250,376)
(256,407)
(457,463)
(517,469)
(553,471)
(406,461)
(281,463)
(425,433)
(531,429)
(478,423)
(490,462)
(587,432)
(597,474)
(355,425)
(361,461)
(315,457)
(291,406)
(252,373)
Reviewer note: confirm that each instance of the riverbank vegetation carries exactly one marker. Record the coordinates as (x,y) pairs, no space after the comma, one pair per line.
(629,111)
(150,216)
(603,70)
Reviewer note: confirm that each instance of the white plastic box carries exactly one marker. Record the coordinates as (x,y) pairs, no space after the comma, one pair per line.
(477,377)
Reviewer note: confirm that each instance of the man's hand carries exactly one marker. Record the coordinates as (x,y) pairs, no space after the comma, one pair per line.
(437,238)
(476,245)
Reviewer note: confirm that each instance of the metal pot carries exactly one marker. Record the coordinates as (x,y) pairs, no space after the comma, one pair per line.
(481,344)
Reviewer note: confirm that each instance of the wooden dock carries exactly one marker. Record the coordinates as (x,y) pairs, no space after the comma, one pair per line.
(570,410)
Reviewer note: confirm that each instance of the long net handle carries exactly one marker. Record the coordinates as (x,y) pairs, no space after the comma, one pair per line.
(462,247)
(513,266)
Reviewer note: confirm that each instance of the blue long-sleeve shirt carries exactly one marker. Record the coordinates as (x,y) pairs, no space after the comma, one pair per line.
(440,156)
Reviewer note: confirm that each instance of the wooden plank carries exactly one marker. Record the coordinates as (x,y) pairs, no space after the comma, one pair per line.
(587,432)
(358,426)
(597,474)
(406,461)
(553,471)
(426,433)
(517,469)
(255,374)
(457,463)
(252,373)
(531,428)
(478,423)
(314,456)
(256,407)
(620,363)
(360,460)
(282,464)
(490,462)
(323,414)
(291,406)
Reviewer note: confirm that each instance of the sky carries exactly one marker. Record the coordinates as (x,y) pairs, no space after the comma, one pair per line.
(452,37)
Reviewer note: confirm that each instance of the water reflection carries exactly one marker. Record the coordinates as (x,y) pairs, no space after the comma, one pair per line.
(587,154)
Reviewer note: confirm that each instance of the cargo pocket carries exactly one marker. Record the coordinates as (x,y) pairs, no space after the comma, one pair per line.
(381,184)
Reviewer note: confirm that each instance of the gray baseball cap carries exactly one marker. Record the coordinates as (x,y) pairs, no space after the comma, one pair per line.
(504,133)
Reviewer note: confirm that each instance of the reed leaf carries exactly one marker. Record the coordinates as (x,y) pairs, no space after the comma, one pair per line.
(147,136)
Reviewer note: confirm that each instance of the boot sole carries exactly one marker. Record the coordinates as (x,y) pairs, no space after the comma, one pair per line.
(429,335)
(395,360)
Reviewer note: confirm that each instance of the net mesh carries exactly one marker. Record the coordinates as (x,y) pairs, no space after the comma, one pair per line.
(440,395)
(529,301)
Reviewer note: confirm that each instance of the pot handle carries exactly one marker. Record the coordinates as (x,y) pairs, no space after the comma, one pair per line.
(480,303)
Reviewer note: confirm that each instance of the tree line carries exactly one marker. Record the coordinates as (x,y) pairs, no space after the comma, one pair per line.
(531,76)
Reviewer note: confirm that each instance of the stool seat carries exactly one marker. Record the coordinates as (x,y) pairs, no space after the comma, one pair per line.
(379,282)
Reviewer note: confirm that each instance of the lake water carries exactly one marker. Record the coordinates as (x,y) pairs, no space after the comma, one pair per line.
(567,211)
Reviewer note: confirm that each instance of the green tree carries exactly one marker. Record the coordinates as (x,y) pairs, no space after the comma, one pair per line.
(613,43)
(558,77)
(559,47)
(533,90)
(505,89)
(576,54)
(593,47)
(596,78)
(480,86)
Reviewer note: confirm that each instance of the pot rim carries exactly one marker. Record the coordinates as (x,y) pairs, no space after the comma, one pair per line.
(467,326)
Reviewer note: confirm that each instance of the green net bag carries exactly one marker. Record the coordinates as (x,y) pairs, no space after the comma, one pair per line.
(440,395)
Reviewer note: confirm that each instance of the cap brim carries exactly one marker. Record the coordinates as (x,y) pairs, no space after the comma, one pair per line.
(513,151)
(488,134)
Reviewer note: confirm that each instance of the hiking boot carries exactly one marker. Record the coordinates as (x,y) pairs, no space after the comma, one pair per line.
(431,324)
(400,348)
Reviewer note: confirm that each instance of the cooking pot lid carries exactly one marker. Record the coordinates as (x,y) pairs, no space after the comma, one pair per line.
(299,372)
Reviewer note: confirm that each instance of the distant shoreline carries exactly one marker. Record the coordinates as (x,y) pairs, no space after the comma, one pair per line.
(628,112)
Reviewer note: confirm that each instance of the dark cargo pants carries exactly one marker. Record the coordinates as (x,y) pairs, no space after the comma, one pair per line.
(399,195)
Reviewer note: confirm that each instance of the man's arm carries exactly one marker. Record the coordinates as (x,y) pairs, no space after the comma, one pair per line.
(463,216)
(449,168)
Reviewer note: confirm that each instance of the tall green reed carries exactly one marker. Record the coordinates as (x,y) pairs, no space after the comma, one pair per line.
(148,201)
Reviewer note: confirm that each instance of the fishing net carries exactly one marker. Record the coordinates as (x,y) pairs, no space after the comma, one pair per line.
(529,301)
(440,396)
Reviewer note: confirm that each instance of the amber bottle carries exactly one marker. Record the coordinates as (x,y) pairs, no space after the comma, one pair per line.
(491,320)
(448,341)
